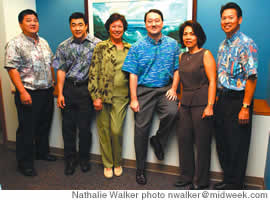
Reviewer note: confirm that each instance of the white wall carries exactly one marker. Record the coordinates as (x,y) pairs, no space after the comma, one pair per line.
(9,26)
(257,153)
(258,146)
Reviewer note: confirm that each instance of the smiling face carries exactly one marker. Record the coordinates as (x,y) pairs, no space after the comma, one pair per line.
(153,24)
(189,38)
(30,25)
(116,30)
(230,22)
(78,28)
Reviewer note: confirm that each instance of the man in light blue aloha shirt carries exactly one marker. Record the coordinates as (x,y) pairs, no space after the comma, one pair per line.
(152,63)
(237,77)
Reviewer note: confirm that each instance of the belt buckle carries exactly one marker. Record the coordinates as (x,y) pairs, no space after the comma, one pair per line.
(75,83)
(223,92)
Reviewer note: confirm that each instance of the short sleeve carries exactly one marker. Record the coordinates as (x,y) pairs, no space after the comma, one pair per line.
(12,56)
(59,61)
(176,57)
(251,63)
(131,62)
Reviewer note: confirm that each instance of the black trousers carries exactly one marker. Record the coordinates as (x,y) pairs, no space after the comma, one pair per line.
(151,100)
(192,129)
(77,114)
(32,135)
(232,139)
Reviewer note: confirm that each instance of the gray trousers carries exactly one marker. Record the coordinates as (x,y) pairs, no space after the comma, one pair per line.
(151,100)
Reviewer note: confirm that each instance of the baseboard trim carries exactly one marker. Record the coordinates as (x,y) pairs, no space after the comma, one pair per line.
(154,167)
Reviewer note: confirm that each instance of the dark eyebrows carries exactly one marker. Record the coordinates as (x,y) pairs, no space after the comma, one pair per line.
(76,23)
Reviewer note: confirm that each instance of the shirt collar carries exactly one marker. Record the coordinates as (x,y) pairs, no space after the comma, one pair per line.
(87,38)
(111,45)
(154,41)
(233,38)
(30,38)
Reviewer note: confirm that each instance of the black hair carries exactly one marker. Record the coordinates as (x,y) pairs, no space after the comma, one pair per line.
(197,29)
(233,6)
(154,11)
(78,15)
(114,17)
(26,12)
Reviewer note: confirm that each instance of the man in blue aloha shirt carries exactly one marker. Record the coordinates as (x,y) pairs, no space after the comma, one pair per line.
(72,61)
(237,78)
(152,63)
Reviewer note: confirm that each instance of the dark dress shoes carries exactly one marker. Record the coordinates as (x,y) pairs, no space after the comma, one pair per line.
(220,186)
(157,147)
(228,186)
(181,183)
(235,187)
(189,187)
(27,171)
(140,177)
(47,157)
(201,187)
(70,167)
(85,165)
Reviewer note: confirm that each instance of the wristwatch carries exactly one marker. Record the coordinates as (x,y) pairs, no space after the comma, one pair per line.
(245,105)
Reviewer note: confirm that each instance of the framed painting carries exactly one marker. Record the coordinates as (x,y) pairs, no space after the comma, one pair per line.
(174,12)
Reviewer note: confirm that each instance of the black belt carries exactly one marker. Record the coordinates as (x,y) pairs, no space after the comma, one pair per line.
(76,83)
(230,93)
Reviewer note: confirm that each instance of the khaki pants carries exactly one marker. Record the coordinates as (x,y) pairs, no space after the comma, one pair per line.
(110,124)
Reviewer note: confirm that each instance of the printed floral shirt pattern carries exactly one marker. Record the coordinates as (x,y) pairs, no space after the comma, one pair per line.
(106,79)
(154,64)
(75,58)
(237,60)
(32,60)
